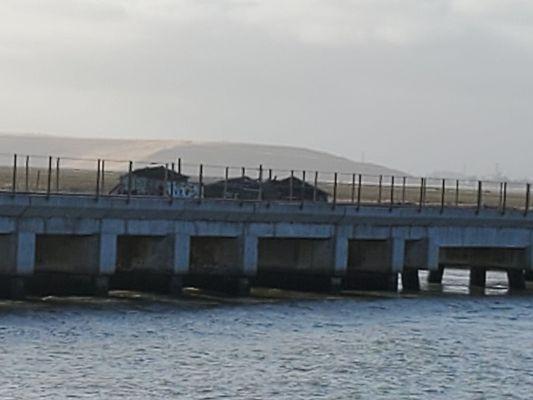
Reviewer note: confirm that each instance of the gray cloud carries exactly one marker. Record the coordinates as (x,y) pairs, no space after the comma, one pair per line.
(417,85)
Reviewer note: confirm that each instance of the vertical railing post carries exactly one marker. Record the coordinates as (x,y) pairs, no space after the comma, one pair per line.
(102,179)
(243,172)
(353,189)
(226,177)
(165,181)
(130,179)
(98,167)
(457,193)
(315,186)
(291,184)
(302,190)
(404,189)
(335,190)
(201,182)
(443,196)
(528,194)
(27,177)
(421,199)
(270,174)
(49,181)
(260,181)
(479,196)
(391,193)
(500,200)
(173,169)
(425,191)
(380,186)
(179,166)
(504,201)
(14,178)
(359,190)
(58,160)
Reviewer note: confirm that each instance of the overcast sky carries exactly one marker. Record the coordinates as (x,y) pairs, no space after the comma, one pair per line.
(419,85)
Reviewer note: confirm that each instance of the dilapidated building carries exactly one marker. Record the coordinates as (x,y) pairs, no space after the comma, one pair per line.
(156,181)
(246,188)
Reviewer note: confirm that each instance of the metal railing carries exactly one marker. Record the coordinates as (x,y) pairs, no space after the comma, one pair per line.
(104,177)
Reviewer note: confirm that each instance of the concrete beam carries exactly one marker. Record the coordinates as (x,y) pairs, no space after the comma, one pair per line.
(288,230)
(491,257)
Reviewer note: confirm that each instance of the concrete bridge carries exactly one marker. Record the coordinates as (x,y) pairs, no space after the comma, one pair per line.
(81,245)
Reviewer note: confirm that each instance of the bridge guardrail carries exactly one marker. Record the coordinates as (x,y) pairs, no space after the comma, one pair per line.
(22,173)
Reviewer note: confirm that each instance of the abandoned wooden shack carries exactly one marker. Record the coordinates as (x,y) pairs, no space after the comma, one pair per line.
(293,188)
(246,188)
(156,181)
(242,188)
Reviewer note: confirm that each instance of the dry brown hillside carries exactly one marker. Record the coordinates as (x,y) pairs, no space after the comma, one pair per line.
(214,153)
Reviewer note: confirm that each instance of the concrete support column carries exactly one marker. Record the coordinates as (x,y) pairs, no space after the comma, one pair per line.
(528,273)
(25,254)
(410,280)
(432,254)
(107,253)
(101,285)
(182,253)
(175,285)
(249,246)
(340,252)
(516,279)
(22,260)
(107,263)
(478,277)
(397,254)
(180,263)
(436,276)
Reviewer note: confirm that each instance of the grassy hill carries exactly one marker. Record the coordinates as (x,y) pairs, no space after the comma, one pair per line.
(212,153)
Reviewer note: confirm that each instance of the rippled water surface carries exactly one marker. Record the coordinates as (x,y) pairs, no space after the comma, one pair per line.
(444,344)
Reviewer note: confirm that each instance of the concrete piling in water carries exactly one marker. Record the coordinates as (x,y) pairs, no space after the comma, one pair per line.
(14,288)
(435,276)
(101,285)
(478,277)
(528,276)
(516,279)
(410,280)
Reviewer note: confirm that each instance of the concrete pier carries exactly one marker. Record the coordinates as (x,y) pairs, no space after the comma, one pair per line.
(516,279)
(76,244)
(478,277)
(436,275)
(410,280)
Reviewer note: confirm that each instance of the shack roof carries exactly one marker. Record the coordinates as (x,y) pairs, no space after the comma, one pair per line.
(296,183)
(158,173)
(240,181)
